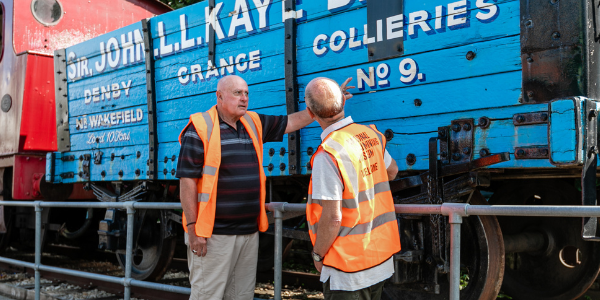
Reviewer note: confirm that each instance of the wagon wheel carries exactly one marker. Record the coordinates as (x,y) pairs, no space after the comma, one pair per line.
(481,257)
(565,265)
(153,251)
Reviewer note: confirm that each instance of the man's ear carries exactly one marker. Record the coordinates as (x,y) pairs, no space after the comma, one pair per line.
(219,95)
(310,113)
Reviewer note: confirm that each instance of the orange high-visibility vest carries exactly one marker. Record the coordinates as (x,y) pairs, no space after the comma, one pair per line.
(369,231)
(207,126)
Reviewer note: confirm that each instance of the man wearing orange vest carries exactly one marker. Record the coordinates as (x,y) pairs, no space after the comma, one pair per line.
(350,210)
(222,185)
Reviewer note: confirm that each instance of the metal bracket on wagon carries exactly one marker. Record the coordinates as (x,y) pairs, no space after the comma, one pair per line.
(589,230)
(418,180)
(456,141)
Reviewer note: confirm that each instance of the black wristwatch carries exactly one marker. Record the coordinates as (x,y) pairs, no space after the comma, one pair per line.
(316,256)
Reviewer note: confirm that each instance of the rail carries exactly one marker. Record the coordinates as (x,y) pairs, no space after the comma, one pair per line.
(455,212)
(126,281)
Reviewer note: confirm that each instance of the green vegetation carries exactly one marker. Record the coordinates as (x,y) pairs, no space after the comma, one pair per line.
(175,4)
(464,280)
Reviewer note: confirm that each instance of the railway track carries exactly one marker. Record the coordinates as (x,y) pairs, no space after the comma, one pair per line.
(17,282)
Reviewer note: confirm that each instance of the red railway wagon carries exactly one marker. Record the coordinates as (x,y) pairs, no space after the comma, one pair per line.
(30,31)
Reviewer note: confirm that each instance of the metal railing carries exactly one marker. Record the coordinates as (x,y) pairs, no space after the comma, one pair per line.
(126,281)
(455,213)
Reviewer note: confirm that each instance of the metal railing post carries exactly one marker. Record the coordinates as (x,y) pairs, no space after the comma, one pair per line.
(129,250)
(278,214)
(38,247)
(455,223)
(455,212)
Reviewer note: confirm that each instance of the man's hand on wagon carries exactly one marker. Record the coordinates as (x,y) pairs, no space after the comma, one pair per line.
(345,88)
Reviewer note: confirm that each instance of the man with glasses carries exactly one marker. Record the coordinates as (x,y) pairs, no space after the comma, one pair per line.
(224,145)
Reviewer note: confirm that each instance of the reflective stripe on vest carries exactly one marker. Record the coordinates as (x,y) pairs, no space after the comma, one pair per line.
(362,196)
(369,233)
(207,124)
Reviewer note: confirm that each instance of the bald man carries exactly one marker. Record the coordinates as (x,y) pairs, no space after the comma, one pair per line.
(353,247)
(222,184)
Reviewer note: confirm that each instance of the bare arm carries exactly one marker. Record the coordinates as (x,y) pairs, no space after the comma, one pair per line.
(301,119)
(329,227)
(189,202)
(298,120)
(392,170)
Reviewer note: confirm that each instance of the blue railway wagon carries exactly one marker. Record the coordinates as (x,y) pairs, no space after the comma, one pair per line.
(485,97)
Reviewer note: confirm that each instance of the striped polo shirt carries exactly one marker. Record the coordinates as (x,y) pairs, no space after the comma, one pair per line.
(238,186)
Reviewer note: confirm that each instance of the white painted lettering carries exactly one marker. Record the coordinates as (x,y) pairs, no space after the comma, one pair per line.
(241,18)
(196,73)
(164,47)
(96,94)
(336,4)
(126,87)
(367,40)
(138,39)
(212,71)
(491,9)
(354,43)
(87,94)
(182,75)
(72,73)
(254,60)
(140,115)
(262,6)
(439,12)
(101,65)
(113,62)
(185,42)
(227,66)
(212,19)
(339,37)
(392,23)
(113,119)
(418,18)
(116,91)
(127,45)
(241,66)
(127,117)
(369,79)
(105,92)
(456,9)
(319,40)
(84,67)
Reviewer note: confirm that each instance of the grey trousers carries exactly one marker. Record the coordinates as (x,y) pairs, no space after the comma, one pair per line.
(228,271)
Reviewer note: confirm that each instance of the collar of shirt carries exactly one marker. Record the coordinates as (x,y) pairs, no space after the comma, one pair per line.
(238,124)
(335,126)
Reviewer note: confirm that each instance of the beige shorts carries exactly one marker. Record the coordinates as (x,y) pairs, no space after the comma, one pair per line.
(228,271)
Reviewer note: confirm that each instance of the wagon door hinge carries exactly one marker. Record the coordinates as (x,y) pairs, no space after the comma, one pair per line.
(588,173)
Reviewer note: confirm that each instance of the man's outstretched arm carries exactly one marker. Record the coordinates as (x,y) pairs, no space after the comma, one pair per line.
(301,119)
